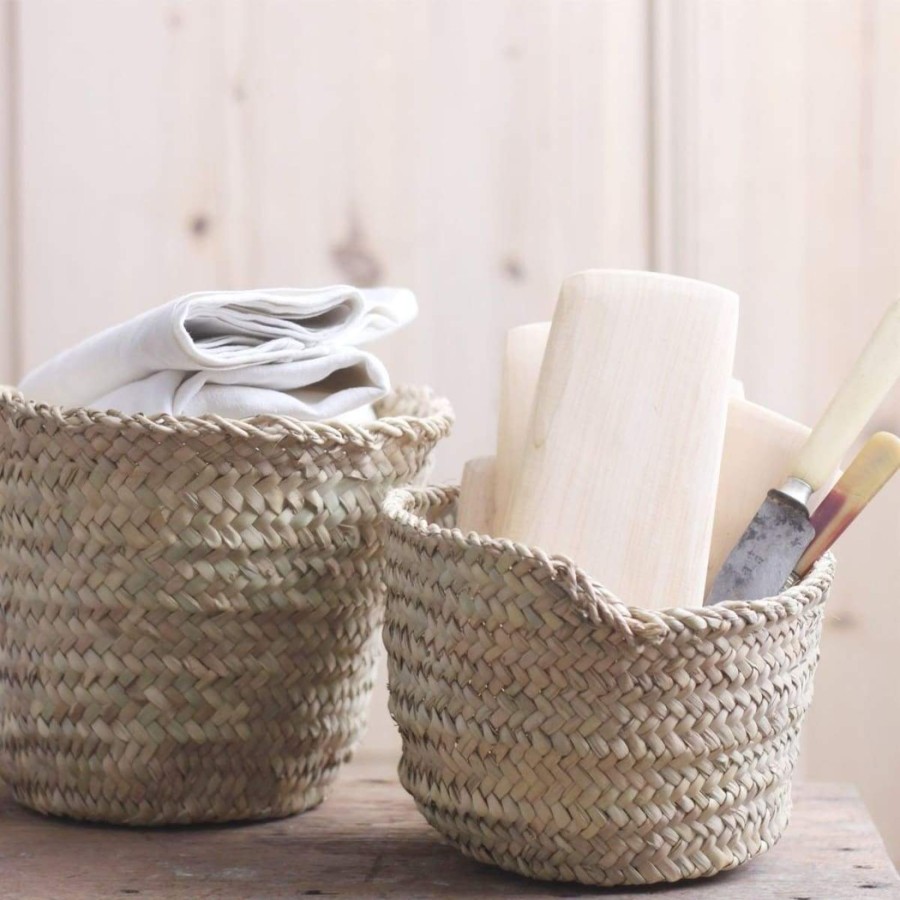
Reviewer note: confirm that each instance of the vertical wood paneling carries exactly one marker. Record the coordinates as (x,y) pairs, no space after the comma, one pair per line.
(476,158)
(8,193)
(234,156)
(855,727)
(732,173)
(120,155)
(781,178)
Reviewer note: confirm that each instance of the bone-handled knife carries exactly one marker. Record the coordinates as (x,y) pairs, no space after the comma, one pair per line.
(771,546)
(869,472)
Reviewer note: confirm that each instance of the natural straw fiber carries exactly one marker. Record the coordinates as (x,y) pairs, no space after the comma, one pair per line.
(552,731)
(189,607)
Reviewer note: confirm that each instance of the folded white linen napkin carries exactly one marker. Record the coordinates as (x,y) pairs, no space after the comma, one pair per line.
(285,351)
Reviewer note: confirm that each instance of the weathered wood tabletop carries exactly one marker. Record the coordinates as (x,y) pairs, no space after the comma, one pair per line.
(368,840)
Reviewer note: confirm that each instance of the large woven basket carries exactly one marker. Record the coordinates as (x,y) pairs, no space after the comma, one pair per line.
(552,731)
(190,608)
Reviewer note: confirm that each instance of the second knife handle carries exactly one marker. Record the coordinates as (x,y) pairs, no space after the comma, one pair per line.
(873,467)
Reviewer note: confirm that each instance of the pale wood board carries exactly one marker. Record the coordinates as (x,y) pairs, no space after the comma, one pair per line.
(620,464)
(781,179)
(368,840)
(522,358)
(477,495)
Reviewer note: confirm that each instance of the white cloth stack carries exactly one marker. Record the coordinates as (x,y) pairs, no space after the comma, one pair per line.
(285,351)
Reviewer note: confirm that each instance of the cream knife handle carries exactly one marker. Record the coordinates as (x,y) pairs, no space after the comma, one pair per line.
(874,374)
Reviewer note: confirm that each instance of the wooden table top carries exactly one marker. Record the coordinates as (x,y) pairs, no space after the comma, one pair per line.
(368,840)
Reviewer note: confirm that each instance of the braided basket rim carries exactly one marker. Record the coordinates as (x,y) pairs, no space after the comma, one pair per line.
(403,508)
(269,428)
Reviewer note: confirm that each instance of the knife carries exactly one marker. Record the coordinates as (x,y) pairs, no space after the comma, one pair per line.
(775,540)
(869,472)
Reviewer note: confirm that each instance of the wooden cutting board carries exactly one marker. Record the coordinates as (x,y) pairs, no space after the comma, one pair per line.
(621,459)
(521,368)
(475,509)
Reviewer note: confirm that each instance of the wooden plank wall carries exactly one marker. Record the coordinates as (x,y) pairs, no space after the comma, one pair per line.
(781,179)
(475,158)
(478,153)
(9,362)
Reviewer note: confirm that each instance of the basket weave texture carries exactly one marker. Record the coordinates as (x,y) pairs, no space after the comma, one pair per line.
(552,731)
(190,608)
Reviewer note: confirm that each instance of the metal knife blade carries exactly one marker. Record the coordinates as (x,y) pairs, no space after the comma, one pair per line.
(765,556)
(767,552)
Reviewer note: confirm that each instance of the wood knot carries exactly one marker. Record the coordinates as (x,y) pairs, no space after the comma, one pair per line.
(353,258)
(199,225)
(513,268)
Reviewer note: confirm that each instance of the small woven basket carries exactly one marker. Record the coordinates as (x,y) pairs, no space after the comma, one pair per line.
(552,731)
(190,607)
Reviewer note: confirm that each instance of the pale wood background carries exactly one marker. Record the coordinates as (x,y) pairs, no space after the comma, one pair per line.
(478,152)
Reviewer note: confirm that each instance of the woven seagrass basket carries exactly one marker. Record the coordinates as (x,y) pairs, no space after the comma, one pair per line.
(552,731)
(190,607)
